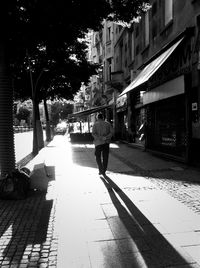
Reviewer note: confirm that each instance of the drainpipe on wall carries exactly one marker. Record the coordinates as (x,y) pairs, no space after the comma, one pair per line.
(129,118)
(114,115)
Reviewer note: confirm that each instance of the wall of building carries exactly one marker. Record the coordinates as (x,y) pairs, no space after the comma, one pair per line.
(169,137)
(126,51)
(184,62)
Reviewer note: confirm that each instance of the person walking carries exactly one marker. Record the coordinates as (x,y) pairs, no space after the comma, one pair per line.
(102,133)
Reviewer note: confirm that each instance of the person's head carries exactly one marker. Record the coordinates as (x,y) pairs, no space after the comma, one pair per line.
(100,116)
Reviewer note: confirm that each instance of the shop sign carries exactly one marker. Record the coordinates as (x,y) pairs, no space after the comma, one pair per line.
(121,102)
(194,106)
(179,63)
(166,90)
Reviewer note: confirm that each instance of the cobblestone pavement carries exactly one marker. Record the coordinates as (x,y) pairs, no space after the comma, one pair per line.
(186,192)
(142,183)
(27,235)
(27,238)
(180,181)
(28,229)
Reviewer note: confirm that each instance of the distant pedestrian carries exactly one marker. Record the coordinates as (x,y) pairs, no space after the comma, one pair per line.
(102,133)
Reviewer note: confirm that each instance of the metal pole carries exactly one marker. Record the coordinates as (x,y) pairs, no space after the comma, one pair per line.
(35,138)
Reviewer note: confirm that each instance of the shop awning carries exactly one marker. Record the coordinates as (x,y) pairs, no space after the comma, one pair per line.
(150,69)
(89,111)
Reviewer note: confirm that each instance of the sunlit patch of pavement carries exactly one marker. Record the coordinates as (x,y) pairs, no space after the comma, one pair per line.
(83,200)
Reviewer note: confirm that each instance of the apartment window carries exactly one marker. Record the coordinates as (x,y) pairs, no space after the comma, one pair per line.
(154,9)
(117,59)
(109,34)
(137,31)
(146,21)
(125,63)
(132,47)
(120,27)
(125,47)
(168,11)
(109,62)
(137,50)
(121,54)
(154,29)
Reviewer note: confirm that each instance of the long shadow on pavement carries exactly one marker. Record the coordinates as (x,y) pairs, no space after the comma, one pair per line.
(25,226)
(133,157)
(160,252)
(181,184)
(23,223)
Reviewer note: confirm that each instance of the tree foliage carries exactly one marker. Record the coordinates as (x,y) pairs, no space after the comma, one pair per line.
(35,34)
(23,114)
(60,111)
(47,34)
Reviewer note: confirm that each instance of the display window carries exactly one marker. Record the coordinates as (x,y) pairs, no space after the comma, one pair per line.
(123,123)
(167,126)
(140,126)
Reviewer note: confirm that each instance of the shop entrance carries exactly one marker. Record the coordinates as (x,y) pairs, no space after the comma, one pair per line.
(167,126)
(123,123)
(195,116)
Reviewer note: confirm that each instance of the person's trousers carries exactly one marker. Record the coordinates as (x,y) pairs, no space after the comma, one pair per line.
(102,153)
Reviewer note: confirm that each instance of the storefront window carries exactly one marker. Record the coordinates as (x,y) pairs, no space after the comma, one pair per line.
(167,127)
(123,125)
(195,114)
(140,121)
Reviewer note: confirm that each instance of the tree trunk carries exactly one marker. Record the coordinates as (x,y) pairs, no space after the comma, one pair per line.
(35,136)
(38,141)
(39,127)
(48,128)
(7,148)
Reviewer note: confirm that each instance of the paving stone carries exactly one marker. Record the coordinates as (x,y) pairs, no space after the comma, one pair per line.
(120,241)
(23,265)
(32,264)
(128,245)
(43,260)
(43,265)
(14,266)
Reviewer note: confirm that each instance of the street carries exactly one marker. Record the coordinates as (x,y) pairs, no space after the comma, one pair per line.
(23,144)
(114,221)
(144,213)
(66,66)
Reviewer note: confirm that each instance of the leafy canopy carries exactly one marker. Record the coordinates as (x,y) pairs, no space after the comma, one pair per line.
(47,34)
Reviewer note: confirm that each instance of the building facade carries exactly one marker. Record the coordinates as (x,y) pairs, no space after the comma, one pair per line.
(155,79)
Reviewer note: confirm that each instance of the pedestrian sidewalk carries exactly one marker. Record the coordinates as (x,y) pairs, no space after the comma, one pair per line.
(125,219)
(140,215)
